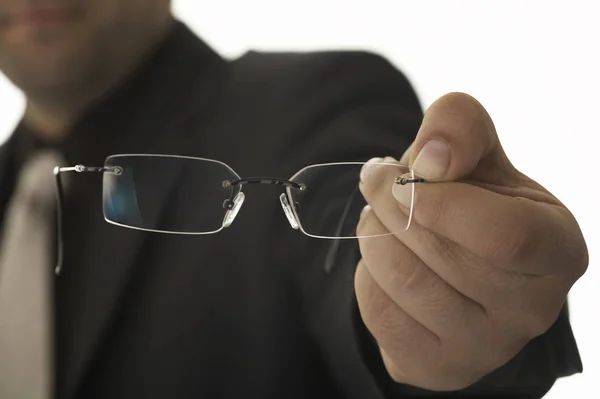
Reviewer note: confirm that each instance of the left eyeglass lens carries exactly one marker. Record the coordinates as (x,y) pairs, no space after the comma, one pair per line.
(134,195)
(330,204)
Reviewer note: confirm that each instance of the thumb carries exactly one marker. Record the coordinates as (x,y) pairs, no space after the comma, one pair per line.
(457,140)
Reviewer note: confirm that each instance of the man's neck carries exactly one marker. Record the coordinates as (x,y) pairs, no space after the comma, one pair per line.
(50,125)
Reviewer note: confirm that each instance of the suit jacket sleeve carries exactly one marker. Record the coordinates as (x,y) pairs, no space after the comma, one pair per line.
(353,106)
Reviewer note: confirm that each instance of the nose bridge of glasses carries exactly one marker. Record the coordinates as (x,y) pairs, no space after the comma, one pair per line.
(231,184)
(263,180)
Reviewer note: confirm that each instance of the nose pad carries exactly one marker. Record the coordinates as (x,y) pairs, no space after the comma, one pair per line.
(232,213)
(287,209)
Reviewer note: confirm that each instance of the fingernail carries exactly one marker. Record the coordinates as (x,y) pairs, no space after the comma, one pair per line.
(403,194)
(433,160)
(365,210)
(368,168)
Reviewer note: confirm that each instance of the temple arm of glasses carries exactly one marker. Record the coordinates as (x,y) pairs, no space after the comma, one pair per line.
(60,202)
(82,168)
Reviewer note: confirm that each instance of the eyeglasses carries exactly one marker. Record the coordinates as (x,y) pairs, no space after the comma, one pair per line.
(322,201)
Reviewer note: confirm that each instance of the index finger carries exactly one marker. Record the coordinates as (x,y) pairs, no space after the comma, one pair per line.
(515,233)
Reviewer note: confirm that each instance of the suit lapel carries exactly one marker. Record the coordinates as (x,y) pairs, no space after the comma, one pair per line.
(181,85)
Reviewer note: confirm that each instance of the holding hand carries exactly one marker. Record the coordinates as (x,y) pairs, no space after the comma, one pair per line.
(485,266)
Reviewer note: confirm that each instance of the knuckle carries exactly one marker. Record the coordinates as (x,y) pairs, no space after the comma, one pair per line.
(410,276)
(513,242)
(396,373)
(386,321)
(519,243)
(389,325)
(362,228)
(379,313)
(450,378)
(464,361)
(581,261)
(405,370)
(404,271)
(574,249)
(538,321)
(526,317)
(457,374)
(454,368)
(457,382)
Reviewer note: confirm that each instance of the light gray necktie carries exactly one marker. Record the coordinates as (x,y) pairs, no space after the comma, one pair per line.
(26,294)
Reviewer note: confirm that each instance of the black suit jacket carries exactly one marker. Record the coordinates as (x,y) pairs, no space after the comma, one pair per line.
(250,311)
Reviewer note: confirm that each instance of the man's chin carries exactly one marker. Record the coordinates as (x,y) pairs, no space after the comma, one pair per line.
(53,83)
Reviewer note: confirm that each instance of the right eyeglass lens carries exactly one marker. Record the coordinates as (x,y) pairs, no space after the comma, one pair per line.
(136,187)
(331,203)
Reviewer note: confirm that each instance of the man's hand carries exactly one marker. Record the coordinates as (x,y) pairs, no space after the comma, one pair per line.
(485,266)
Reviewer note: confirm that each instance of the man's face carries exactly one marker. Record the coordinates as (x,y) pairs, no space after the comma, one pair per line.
(52,45)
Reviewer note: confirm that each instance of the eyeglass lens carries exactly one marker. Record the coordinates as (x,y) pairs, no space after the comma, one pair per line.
(331,204)
(132,197)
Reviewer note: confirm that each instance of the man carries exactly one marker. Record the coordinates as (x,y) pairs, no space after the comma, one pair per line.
(469,301)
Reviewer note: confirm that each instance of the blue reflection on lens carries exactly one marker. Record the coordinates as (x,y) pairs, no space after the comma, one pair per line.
(121,202)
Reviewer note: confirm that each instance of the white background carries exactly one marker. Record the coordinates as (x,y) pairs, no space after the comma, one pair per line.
(534,65)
